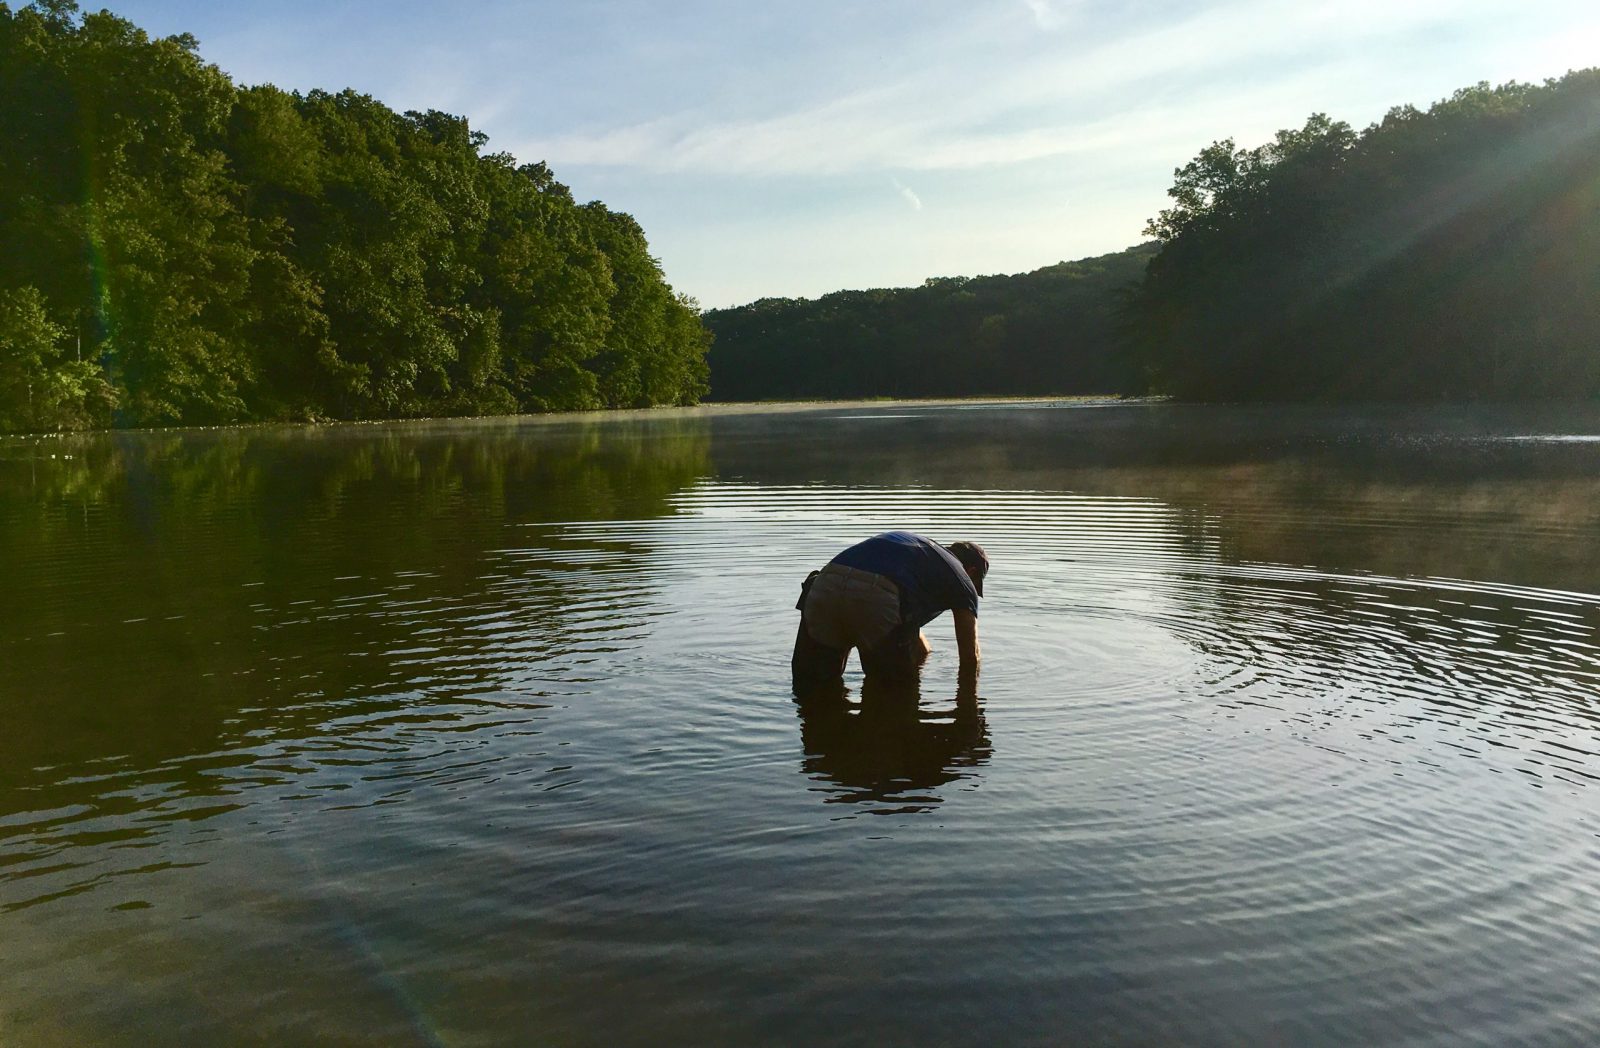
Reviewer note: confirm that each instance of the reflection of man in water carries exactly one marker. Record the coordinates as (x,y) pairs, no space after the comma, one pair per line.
(888,751)
(877,595)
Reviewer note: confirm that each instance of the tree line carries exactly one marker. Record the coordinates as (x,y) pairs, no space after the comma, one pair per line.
(175,248)
(1049,331)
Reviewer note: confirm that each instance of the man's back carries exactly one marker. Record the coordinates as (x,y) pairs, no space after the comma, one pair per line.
(930,580)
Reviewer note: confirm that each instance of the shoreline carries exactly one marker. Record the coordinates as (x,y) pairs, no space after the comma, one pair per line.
(711,409)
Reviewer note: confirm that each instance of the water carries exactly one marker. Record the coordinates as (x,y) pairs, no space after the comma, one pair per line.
(480,733)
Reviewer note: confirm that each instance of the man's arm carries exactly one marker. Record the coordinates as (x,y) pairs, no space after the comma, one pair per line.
(966,637)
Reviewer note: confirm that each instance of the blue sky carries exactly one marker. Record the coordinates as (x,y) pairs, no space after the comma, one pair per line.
(797,148)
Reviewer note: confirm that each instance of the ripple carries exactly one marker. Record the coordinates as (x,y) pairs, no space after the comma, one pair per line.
(1249,761)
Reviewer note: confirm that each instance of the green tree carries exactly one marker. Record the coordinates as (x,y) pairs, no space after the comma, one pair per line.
(41,386)
(224,253)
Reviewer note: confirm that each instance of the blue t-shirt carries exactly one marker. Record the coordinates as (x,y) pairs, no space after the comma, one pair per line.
(930,579)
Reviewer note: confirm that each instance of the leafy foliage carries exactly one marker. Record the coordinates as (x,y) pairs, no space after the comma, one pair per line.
(217,253)
(1049,331)
(40,388)
(1446,254)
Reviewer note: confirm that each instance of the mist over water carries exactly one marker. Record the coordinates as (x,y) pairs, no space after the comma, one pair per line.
(1288,731)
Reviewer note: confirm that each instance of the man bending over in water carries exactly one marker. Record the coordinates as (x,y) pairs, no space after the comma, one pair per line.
(877,595)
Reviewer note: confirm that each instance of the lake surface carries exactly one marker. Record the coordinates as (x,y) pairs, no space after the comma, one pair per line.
(481,733)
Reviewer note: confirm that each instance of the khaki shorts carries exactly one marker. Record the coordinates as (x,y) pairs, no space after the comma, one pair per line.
(850,608)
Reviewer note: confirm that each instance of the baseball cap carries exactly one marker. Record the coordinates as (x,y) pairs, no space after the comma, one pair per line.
(972,557)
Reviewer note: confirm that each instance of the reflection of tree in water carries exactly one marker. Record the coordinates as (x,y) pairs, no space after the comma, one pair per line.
(179,593)
(1406,579)
(1283,484)
(887,751)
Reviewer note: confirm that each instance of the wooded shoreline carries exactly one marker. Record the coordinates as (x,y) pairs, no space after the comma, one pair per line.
(182,250)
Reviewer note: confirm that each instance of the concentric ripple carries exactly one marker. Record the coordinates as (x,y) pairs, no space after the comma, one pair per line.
(483,733)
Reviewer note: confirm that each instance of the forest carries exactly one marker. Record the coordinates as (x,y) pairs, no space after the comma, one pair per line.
(1050,331)
(1445,254)
(179,249)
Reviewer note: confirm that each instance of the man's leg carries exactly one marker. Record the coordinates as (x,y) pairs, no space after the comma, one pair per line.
(814,662)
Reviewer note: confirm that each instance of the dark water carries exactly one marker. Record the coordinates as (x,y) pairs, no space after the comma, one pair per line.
(481,734)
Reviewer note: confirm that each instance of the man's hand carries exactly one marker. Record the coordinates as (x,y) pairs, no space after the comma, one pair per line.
(967,694)
(966,637)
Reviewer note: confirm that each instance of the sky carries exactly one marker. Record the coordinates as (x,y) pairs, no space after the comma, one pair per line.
(791,149)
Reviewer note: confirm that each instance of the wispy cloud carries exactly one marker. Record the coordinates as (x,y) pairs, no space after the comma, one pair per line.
(1054,99)
(909,194)
(1044,13)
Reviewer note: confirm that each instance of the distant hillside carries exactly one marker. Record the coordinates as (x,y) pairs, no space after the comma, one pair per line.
(1045,332)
